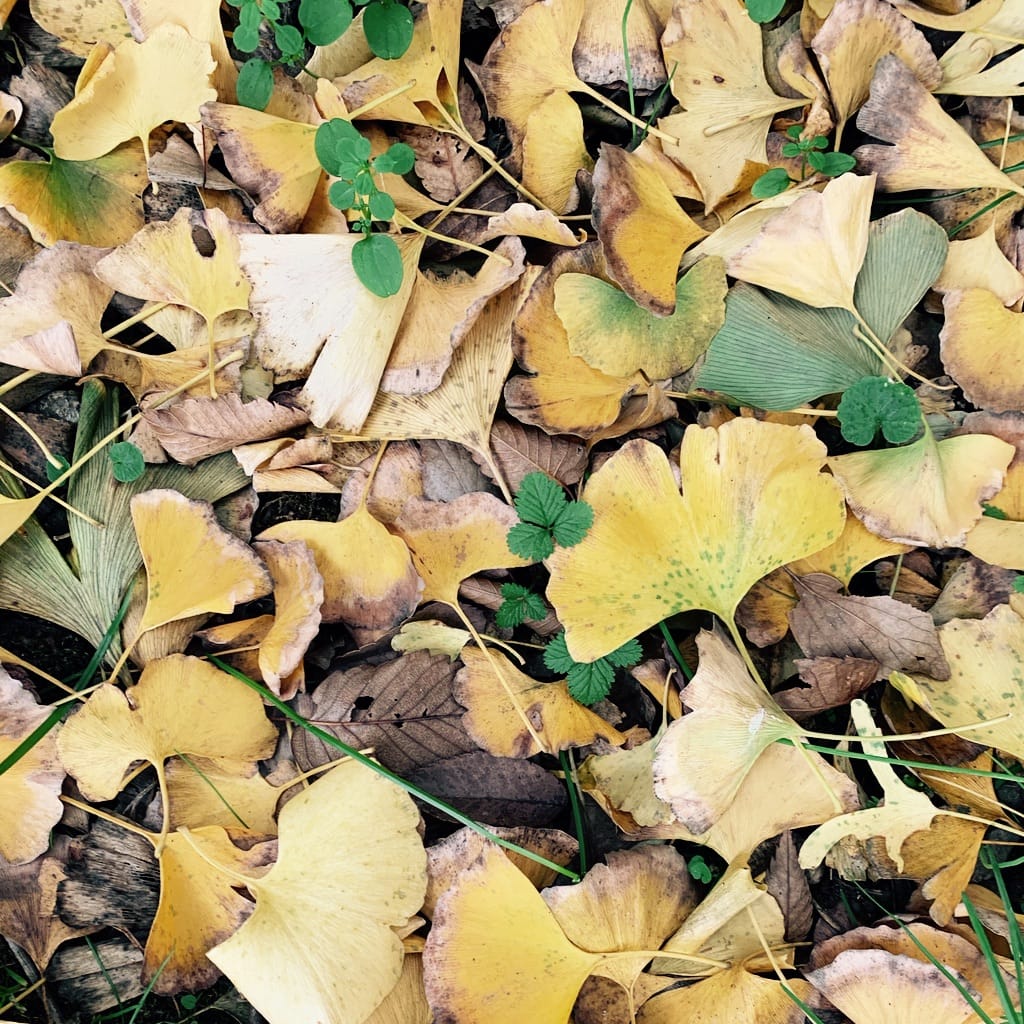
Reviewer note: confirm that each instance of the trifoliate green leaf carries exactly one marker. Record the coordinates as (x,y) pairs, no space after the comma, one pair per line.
(572,523)
(255,83)
(771,183)
(519,604)
(590,683)
(557,656)
(388,28)
(324,21)
(378,264)
(528,540)
(628,654)
(540,500)
(126,461)
(831,164)
(876,402)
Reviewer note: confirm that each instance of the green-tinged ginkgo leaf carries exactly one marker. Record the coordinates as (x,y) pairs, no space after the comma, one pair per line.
(351,868)
(180,705)
(94,202)
(928,492)
(495,954)
(774,352)
(754,498)
(615,335)
(986,660)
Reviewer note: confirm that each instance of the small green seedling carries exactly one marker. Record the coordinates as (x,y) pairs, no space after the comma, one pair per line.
(519,604)
(877,403)
(763,11)
(547,517)
(589,682)
(127,462)
(701,871)
(811,152)
(387,25)
(344,153)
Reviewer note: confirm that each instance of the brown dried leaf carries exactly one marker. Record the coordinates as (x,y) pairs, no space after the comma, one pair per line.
(519,449)
(787,882)
(403,709)
(898,637)
(445,165)
(199,427)
(831,683)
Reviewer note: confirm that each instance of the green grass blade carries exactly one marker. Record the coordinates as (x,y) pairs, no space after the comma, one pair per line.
(994,970)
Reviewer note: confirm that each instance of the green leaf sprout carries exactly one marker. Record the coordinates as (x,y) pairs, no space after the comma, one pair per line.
(519,604)
(546,517)
(876,403)
(589,682)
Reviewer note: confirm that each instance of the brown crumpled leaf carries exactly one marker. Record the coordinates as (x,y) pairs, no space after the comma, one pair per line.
(787,882)
(199,427)
(445,165)
(519,449)
(403,709)
(895,635)
(831,683)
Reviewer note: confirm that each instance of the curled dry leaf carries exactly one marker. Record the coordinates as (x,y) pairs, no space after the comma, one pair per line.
(519,450)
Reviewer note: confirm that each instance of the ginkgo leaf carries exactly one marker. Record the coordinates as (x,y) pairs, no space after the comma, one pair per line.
(903,812)
(321,943)
(219,791)
(451,540)
(615,335)
(180,705)
(79,24)
(369,581)
(306,319)
(495,954)
(855,35)
(495,722)
(199,906)
(175,535)
(52,321)
(30,789)
(980,347)
(642,228)
(554,150)
(652,553)
(566,395)
(298,595)
(986,681)
(704,756)
(272,158)
(93,202)
(728,103)
(930,150)
(813,250)
(928,492)
(979,263)
(137,87)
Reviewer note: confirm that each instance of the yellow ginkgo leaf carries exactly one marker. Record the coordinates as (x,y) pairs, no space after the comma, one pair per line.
(369,580)
(93,202)
(221,792)
(14,512)
(982,349)
(728,103)
(495,954)
(176,535)
(704,756)
(180,705)
(979,263)
(728,997)
(754,498)
(81,24)
(450,540)
(615,335)
(298,595)
(813,250)
(928,492)
(986,680)
(642,228)
(930,150)
(30,789)
(199,906)
(494,721)
(553,151)
(634,901)
(136,88)
(321,944)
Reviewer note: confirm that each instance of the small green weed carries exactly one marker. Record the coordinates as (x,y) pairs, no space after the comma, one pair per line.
(589,681)
(877,403)
(763,11)
(811,152)
(127,462)
(344,153)
(388,26)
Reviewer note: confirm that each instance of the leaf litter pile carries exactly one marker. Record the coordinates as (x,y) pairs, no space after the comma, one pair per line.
(511,511)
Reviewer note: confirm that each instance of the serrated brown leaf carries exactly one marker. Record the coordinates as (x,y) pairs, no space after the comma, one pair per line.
(831,683)
(404,710)
(787,882)
(827,624)
(519,449)
(200,427)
